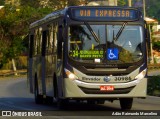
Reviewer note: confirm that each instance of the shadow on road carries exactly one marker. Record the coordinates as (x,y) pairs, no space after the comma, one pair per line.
(14,95)
(20,103)
(74,106)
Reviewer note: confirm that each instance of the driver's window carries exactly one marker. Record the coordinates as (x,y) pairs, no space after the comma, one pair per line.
(75,37)
(129,39)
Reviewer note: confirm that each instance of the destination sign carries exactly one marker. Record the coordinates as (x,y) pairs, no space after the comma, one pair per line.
(103,14)
(86,54)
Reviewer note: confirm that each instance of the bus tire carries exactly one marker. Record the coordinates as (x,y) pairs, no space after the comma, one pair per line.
(61,103)
(100,101)
(91,102)
(38,98)
(126,103)
(55,89)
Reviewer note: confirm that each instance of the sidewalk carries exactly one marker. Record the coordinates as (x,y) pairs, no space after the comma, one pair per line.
(5,73)
(154,72)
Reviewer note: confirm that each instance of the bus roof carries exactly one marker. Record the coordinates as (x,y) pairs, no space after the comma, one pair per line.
(48,17)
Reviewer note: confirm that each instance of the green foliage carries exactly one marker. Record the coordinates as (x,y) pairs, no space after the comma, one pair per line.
(44,11)
(154,86)
(156,45)
(1,2)
(31,3)
(153,9)
(73,2)
(21,63)
(121,2)
(52,4)
(14,24)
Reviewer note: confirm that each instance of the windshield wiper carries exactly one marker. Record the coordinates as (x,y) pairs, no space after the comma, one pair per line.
(120,31)
(92,32)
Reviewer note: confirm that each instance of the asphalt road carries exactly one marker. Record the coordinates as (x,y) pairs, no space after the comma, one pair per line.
(14,95)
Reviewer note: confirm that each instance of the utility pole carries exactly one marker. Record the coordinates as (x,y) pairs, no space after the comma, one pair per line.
(130,3)
(144,8)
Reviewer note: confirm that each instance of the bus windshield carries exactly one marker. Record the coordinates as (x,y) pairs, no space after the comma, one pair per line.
(115,45)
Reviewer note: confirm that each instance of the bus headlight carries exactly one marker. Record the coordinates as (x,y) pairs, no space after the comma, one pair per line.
(70,75)
(141,75)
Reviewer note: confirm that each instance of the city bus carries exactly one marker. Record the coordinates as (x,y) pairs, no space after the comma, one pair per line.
(90,54)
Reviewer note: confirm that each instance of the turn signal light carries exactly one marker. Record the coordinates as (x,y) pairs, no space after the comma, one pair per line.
(70,75)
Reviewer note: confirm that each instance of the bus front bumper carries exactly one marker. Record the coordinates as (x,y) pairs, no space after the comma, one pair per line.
(79,89)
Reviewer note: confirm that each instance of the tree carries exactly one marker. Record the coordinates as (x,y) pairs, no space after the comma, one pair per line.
(31,3)
(14,24)
(56,5)
(73,2)
(156,45)
(153,9)
(1,2)
(121,2)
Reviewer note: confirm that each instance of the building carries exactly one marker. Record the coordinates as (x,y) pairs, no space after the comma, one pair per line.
(1,7)
(155,28)
(153,23)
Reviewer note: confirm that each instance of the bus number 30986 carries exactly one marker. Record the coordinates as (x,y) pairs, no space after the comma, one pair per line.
(123,78)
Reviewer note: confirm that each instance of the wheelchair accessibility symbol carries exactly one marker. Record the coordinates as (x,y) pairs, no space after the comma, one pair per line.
(112,54)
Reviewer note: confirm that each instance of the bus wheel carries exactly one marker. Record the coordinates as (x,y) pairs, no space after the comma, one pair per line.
(61,103)
(126,103)
(100,101)
(38,98)
(91,102)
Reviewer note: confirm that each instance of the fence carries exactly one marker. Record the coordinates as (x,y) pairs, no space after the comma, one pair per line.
(153,66)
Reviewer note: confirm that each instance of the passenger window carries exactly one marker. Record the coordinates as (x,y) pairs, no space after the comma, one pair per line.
(38,41)
(31,43)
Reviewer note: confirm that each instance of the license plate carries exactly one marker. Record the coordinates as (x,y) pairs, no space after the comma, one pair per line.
(107,88)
